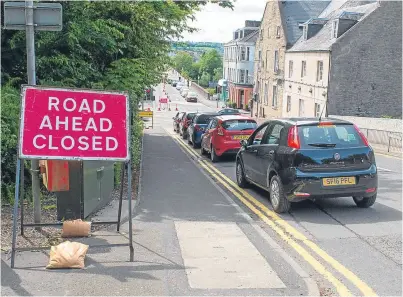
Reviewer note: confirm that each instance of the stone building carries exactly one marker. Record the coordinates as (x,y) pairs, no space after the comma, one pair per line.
(281,27)
(336,65)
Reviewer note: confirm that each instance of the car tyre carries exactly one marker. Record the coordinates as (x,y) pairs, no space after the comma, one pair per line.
(365,202)
(183,135)
(213,155)
(240,175)
(278,199)
(202,150)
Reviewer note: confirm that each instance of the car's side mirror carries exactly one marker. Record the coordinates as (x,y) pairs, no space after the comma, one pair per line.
(244,143)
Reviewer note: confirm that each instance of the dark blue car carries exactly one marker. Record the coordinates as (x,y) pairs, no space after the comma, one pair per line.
(197,128)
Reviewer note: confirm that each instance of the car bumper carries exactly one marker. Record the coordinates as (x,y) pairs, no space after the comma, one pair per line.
(233,150)
(310,186)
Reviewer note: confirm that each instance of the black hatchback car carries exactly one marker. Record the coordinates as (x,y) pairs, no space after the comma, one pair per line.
(308,158)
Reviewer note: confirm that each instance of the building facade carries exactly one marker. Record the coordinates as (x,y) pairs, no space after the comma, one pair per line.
(341,65)
(279,30)
(238,65)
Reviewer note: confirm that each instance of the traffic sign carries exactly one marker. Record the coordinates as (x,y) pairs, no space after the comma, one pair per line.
(164,100)
(74,124)
(145,113)
(47,16)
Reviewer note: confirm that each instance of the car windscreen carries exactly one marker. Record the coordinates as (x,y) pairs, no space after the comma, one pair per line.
(239,125)
(204,119)
(191,94)
(190,116)
(323,136)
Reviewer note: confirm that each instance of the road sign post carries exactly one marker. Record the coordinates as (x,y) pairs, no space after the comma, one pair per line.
(73,124)
(33,17)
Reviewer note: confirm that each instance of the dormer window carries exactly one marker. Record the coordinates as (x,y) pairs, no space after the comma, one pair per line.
(335,26)
(278,31)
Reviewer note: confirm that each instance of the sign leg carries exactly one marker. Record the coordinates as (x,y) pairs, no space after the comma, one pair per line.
(122,179)
(22,195)
(15,214)
(129,197)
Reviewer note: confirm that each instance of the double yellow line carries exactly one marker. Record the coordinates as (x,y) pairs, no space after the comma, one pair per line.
(286,232)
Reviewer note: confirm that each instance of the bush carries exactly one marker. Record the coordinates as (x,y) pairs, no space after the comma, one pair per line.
(211,91)
(233,105)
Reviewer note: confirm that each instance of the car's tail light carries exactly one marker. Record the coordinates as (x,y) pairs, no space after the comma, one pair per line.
(364,139)
(198,128)
(293,138)
(326,124)
(220,131)
(370,190)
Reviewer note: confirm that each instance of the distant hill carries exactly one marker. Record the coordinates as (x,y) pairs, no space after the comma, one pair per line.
(197,47)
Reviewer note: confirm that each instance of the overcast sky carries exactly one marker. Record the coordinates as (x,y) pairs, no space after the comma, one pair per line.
(216,24)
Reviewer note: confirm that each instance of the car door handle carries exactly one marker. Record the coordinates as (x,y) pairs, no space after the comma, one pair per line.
(271,152)
(253,151)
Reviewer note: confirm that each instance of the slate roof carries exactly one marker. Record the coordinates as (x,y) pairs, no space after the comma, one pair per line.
(323,41)
(252,37)
(296,12)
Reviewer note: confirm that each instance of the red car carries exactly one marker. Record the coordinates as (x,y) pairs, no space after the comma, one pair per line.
(224,133)
(185,122)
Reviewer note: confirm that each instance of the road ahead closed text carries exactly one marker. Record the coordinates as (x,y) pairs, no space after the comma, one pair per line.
(74,124)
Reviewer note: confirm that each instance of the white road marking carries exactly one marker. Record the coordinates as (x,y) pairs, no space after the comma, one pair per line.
(384,169)
(220,256)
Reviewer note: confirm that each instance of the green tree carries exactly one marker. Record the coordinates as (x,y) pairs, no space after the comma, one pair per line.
(183,61)
(204,79)
(217,74)
(209,61)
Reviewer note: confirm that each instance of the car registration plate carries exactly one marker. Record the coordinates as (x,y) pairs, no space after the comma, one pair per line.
(240,137)
(338,181)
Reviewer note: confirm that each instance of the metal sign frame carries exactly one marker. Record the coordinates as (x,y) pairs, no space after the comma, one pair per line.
(19,193)
(152,116)
(22,113)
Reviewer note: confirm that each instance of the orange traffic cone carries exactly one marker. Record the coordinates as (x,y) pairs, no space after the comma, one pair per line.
(176,109)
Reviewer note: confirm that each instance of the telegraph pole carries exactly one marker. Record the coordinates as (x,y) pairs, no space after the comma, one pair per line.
(30,43)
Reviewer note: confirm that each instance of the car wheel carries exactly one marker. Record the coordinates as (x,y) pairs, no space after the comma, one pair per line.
(202,151)
(183,135)
(277,197)
(240,175)
(213,156)
(365,202)
(189,140)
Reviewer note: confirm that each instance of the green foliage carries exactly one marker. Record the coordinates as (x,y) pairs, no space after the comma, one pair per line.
(204,79)
(117,45)
(211,91)
(233,105)
(217,74)
(183,62)
(210,61)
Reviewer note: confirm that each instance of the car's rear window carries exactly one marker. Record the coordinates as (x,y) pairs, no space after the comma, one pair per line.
(239,125)
(229,111)
(204,118)
(192,94)
(190,116)
(339,135)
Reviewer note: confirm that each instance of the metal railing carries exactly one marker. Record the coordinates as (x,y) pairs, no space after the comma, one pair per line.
(386,140)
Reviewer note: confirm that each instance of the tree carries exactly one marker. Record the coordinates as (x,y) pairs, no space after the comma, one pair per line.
(209,61)
(204,79)
(183,62)
(217,74)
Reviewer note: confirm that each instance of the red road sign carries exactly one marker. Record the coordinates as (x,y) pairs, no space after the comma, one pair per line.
(74,124)
(163,100)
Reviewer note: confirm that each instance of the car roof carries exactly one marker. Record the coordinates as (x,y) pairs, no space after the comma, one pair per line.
(310,121)
(207,113)
(227,117)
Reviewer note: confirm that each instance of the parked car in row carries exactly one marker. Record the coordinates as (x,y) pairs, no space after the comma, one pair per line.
(308,158)
(179,85)
(176,121)
(223,135)
(197,128)
(184,92)
(185,122)
(191,97)
(228,111)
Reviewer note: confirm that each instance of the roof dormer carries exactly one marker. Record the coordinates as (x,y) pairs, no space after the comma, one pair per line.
(344,22)
(312,27)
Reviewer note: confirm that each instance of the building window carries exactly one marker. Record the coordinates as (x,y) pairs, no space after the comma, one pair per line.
(266,94)
(276,61)
(317,110)
(334,28)
(288,103)
(268,32)
(247,53)
(242,76)
(319,71)
(274,98)
(247,76)
(261,34)
(278,30)
(259,57)
(290,68)
(301,108)
(303,69)
(243,53)
(267,55)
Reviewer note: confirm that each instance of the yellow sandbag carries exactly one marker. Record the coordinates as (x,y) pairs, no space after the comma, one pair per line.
(76,228)
(67,255)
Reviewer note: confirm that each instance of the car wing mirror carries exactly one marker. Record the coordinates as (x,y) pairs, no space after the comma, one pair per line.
(244,143)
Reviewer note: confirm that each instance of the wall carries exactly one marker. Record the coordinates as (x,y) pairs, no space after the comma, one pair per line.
(392,125)
(366,66)
(306,83)
(266,75)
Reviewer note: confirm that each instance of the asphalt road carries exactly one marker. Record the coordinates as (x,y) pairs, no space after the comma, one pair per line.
(360,249)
